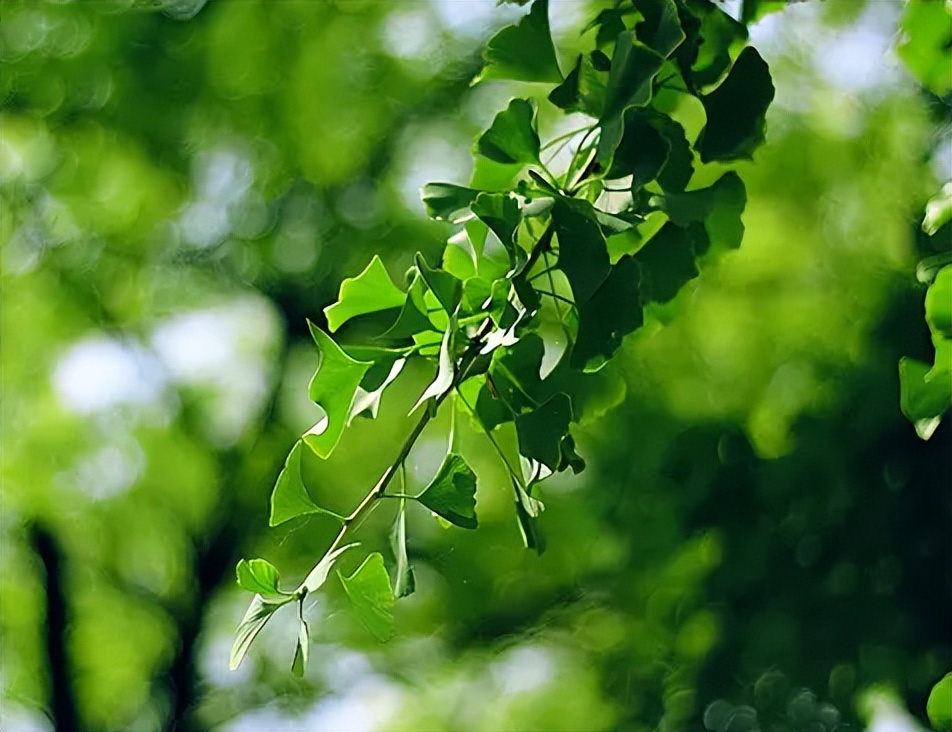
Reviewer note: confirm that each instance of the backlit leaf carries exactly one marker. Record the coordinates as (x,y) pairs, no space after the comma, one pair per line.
(258,576)
(523,52)
(583,254)
(512,137)
(257,616)
(318,575)
(333,388)
(736,110)
(541,430)
(452,492)
(369,591)
(447,202)
(290,498)
(613,312)
(403,581)
(445,371)
(369,292)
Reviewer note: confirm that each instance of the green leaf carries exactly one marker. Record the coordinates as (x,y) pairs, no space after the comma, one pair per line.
(634,66)
(257,616)
(668,261)
(447,202)
(447,288)
(290,498)
(939,303)
(512,137)
(523,52)
(541,431)
(403,581)
(720,40)
(939,705)
(613,312)
(583,254)
(500,212)
(258,576)
(925,394)
(661,28)
(318,575)
(527,513)
(452,493)
(754,10)
(718,207)
(369,400)
(369,292)
(583,90)
(938,211)
(333,388)
(736,110)
(446,369)
(412,319)
(299,664)
(369,591)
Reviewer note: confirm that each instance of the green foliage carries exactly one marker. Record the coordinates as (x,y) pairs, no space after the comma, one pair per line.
(532,257)
(939,706)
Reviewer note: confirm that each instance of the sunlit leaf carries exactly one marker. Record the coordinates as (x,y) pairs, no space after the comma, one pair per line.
(452,492)
(523,52)
(369,400)
(319,573)
(447,202)
(512,137)
(258,576)
(500,212)
(721,39)
(938,211)
(369,591)
(299,664)
(634,66)
(257,616)
(926,39)
(925,394)
(412,319)
(403,580)
(447,288)
(369,292)
(736,110)
(333,388)
(290,498)
(445,372)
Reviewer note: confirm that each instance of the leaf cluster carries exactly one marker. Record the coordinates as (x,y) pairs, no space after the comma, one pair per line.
(561,241)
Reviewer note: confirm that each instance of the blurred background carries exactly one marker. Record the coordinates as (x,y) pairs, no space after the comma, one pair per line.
(761,541)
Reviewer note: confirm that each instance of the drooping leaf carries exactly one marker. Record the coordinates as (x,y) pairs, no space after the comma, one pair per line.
(452,492)
(668,261)
(333,388)
(447,202)
(258,576)
(719,40)
(290,498)
(445,371)
(319,573)
(736,110)
(634,66)
(528,509)
(661,28)
(447,288)
(500,212)
(523,52)
(583,254)
(369,401)
(613,312)
(541,431)
(299,663)
(369,292)
(412,319)
(512,137)
(369,591)
(257,616)
(403,581)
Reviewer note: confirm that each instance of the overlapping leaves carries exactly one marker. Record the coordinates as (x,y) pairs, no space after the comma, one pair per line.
(585,249)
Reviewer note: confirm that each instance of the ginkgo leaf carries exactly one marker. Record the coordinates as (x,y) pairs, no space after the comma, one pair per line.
(369,292)
(318,575)
(290,497)
(369,591)
(452,492)
(333,388)
(523,52)
(404,582)
(445,372)
(258,576)
(257,616)
(512,137)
